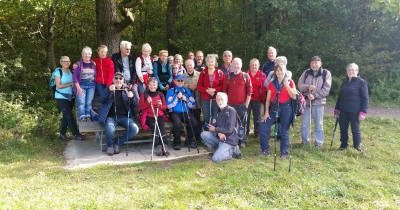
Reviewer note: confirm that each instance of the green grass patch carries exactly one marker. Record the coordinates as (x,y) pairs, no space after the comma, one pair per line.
(32,177)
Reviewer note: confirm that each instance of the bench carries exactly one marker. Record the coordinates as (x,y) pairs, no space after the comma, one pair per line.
(95,127)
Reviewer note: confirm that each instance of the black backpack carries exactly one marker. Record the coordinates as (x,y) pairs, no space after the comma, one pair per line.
(52,82)
(309,72)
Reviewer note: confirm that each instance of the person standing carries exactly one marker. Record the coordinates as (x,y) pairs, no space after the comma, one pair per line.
(191,80)
(64,97)
(225,67)
(124,62)
(163,71)
(221,136)
(351,106)
(238,87)
(104,72)
(115,111)
(269,64)
(199,61)
(144,67)
(315,84)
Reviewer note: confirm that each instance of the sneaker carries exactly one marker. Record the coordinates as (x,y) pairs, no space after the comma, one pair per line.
(177,146)
(63,137)
(79,137)
(265,153)
(116,149)
(82,118)
(284,156)
(110,151)
(236,153)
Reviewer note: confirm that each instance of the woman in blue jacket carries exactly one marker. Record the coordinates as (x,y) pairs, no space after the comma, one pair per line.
(351,106)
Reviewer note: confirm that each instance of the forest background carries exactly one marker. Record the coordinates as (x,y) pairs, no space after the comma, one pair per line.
(35,33)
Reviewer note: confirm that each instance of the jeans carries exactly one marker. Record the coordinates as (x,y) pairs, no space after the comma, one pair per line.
(140,88)
(344,119)
(181,119)
(110,128)
(102,91)
(285,118)
(67,119)
(205,106)
(254,107)
(84,102)
(317,112)
(222,151)
(241,111)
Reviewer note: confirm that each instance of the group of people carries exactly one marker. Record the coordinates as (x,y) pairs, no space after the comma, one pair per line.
(211,101)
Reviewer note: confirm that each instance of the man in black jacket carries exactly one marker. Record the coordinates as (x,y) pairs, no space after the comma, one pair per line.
(124,62)
(221,137)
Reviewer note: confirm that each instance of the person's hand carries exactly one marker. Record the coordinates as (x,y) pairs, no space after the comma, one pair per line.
(150,71)
(129,93)
(159,102)
(311,87)
(180,95)
(286,83)
(361,116)
(265,117)
(336,113)
(311,97)
(221,136)
(79,91)
(211,128)
(184,98)
(112,87)
(166,87)
(149,100)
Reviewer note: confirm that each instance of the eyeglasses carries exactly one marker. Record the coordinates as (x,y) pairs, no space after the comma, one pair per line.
(118,78)
(179,80)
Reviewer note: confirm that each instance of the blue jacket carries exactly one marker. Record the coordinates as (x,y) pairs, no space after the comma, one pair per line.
(268,67)
(157,68)
(107,104)
(177,105)
(353,96)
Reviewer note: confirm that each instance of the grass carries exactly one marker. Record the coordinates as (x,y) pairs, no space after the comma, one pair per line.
(32,177)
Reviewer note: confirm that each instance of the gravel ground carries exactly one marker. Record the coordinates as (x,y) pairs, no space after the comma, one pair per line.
(375,112)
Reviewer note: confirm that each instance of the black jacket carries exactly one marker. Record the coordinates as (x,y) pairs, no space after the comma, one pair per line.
(118,65)
(353,96)
(225,122)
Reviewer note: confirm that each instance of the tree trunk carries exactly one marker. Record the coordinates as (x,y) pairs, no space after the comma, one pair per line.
(106,29)
(172,14)
(50,54)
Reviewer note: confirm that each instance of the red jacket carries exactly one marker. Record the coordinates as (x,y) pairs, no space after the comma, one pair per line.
(204,83)
(104,71)
(284,96)
(145,107)
(257,81)
(237,89)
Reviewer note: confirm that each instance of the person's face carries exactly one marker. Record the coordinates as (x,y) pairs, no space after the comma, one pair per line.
(189,67)
(179,83)
(280,73)
(315,65)
(125,51)
(175,69)
(178,61)
(221,101)
(199,57)
(210,63)
(65,63)
(153,86)
(254,66)
(163,57)
(352,72)
(146,52)
(102,52)
(227,58)
(191,55)
(118,81)
(271,55)
(236,65)
(86,56)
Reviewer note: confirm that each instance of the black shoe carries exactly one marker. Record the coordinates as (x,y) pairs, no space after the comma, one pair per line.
(79,137)
(342,148)
(192,145)
(265,153)
(177,146)
(63,137)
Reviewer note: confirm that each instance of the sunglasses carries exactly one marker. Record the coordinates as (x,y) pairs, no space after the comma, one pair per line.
(118,78)
(179,80)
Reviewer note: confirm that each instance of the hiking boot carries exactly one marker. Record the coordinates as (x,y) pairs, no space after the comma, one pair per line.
(63,137)
(265,153)
(79,137)
(236,153)
(176,146)
(110,151)
(116,149)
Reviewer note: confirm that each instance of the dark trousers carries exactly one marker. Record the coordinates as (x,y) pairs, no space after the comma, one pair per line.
(67,119)
(254,106)
(181,119)
(241,111)
(344,119)
(150,121)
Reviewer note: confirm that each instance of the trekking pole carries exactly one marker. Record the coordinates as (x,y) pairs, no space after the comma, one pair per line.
(291,143)
(276,128)
(154,134)
(210,113)
(127,129)
(334,131)
(191,127)
(184,125)
(115,113)
(159,130)
(310,120)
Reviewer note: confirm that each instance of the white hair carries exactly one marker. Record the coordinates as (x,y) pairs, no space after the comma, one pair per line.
(87,50)
(352,65)
(146,46)
(223,95)
(189,61)
(212,57)
(281,59)
(227,52)
(125,44)
(239,60)
(273,49)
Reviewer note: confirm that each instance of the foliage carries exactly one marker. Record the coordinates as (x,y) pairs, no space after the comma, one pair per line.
(32,177)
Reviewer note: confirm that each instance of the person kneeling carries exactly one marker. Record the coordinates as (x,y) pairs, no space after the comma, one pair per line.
(222,138)
(115,111)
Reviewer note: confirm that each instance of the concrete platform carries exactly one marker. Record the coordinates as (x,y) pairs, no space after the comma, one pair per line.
(85,154)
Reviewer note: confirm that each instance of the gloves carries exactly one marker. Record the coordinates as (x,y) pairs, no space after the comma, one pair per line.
(336,113)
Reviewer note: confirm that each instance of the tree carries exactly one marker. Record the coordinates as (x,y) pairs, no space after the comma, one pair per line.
(109,27)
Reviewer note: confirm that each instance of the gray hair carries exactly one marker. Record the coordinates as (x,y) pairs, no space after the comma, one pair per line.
(86,50)
(212,57)
(239,60)
(223,96)
(125,44)
(227,52)
(189,61)
(352,65)
(281,59)
(146,46)
(273,49)
(254,60)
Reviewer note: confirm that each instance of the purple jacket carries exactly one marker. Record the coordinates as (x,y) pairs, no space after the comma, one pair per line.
(78,71)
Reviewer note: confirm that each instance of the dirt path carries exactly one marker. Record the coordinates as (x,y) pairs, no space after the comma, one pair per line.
(375,112)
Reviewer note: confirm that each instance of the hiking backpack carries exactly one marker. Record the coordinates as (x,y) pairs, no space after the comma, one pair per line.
(323,72)
(299,104)
(52,82)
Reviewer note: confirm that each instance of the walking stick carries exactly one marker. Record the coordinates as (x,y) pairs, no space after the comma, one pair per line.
(159,132)
(184,126)
(191,127)
(334,131)
(276,127)
(127,129)
(115,113)
(310,121)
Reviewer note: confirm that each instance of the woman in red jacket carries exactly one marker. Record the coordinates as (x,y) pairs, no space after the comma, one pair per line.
(105,72)
(257,78)
(150,101)
(211,81)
